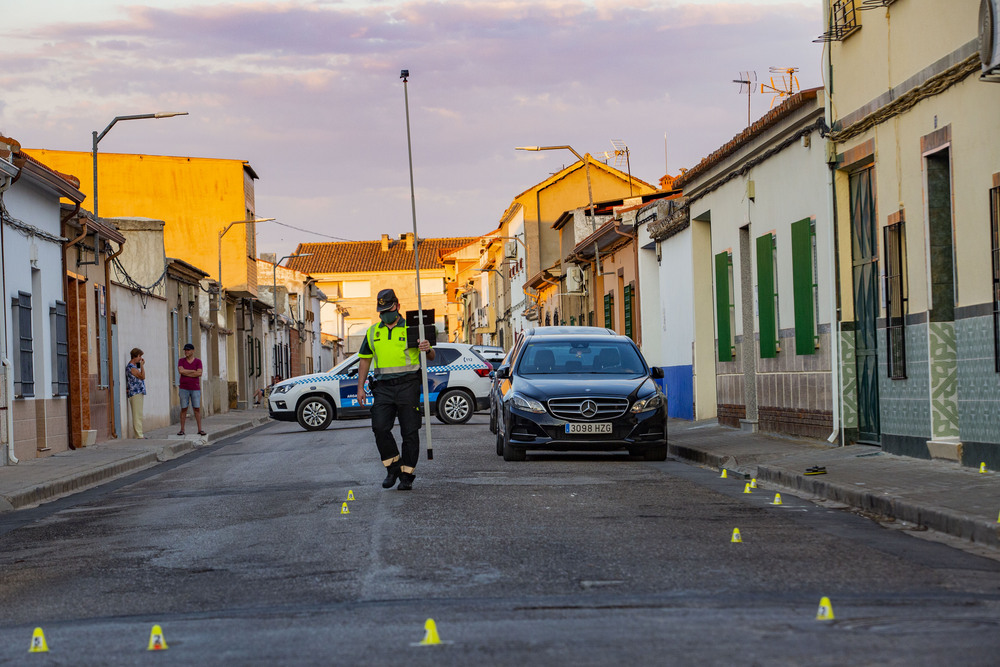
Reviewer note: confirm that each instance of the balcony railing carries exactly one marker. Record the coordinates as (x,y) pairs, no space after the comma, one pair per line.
(843,22)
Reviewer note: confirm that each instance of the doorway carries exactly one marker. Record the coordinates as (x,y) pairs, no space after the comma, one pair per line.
(864,256)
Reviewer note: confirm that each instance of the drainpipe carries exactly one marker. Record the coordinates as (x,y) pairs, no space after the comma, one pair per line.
(4,359)
(112,398)
(836,374)
(65,272)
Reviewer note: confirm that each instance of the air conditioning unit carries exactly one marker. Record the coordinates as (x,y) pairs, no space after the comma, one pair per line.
(510,250)
(989,39)
(574,279)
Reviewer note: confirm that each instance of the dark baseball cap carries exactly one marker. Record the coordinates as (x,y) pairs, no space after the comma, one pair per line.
(386,300)
(188,346)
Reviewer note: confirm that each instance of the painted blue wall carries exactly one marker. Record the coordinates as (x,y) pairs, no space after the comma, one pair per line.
(678,384)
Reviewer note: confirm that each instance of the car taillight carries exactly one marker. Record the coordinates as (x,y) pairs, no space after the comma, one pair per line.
(483,372)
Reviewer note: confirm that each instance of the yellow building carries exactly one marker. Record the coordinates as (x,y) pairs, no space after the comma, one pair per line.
(195,197)
(917,186)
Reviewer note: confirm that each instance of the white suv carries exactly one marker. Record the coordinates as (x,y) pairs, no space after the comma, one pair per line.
(458,380)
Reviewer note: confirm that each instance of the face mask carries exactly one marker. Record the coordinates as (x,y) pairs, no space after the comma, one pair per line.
(388,317)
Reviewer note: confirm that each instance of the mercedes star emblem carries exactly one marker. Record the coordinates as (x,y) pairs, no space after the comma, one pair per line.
(588,408)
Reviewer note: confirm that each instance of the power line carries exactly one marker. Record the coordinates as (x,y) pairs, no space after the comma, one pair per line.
(309,231)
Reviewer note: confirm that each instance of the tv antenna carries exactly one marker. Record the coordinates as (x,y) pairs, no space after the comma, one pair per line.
(787,85)
(748,83)
(620,155)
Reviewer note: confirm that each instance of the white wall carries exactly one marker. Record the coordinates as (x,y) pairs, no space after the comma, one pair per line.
(673,315)
(146,328)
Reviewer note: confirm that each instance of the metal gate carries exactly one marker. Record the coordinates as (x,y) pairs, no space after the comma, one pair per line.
(864,253)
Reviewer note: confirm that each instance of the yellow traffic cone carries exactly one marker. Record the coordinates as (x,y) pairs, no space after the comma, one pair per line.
(431,637)
(736,536)
(723,475)
(998,518)
(746,489)
(156,640)
(350,494)
(344,510)
(777,499)
(825,611)
(38,644)
(982,466)
(753,482)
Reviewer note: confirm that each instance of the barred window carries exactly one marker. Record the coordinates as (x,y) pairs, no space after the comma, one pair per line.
(895,300)
(995,253)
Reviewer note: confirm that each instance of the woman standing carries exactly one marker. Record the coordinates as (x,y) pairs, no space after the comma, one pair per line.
(135,389)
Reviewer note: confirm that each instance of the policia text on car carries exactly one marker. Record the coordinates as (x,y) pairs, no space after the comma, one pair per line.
(395,389)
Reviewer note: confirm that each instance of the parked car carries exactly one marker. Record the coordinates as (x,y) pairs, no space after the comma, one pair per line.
(498,387)
(580,392)
(490,353)
(458,383)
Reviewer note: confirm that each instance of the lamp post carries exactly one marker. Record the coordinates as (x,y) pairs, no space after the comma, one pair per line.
(223,233)
(586,166)
(98,137)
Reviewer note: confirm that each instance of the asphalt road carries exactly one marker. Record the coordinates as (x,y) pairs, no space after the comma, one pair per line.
(241,553)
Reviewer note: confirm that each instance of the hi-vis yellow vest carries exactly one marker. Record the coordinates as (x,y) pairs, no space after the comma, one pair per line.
(389,352)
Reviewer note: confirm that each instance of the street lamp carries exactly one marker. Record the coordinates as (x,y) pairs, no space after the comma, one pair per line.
(586,166)
(98,137)
(223,233)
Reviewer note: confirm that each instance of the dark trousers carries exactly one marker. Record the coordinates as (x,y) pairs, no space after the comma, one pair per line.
(397,397)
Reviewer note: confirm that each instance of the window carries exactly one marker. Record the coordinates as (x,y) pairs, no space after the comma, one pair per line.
(629,317)
(100,292)
(590,318)
(24,368)
(60,350)
(805,290)
(555,317)
(609,310)
(995,246)
(725,309)
(843,21)
(444,356)
(767,294)
(895,301)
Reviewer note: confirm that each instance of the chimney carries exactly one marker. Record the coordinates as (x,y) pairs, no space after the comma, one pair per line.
(409,242)
(385,243)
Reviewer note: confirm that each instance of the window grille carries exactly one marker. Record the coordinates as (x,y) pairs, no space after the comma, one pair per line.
(895,301)
(843,21)
(995,247)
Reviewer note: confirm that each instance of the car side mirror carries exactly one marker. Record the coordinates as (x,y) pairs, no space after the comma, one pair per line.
(503,372)
(656,373)
(352,373)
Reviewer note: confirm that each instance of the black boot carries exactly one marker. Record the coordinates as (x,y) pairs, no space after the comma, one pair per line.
(406,481)
(391,475)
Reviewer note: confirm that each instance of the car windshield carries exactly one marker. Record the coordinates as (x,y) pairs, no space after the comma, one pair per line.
(594,356)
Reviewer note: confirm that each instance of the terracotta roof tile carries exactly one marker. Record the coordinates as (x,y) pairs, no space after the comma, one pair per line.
(368,256)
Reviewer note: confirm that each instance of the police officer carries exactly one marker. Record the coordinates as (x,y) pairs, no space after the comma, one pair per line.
(395,391)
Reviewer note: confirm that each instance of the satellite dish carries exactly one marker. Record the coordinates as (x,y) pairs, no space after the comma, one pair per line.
(748,84)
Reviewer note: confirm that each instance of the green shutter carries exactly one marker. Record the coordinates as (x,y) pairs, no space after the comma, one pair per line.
(765,297)
(722,305)
(609,309)
(628,312)
(803,284)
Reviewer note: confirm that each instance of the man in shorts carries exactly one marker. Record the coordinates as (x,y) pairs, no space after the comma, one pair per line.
(190,387)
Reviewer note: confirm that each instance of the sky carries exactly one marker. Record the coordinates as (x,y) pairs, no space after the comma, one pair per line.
(308,91)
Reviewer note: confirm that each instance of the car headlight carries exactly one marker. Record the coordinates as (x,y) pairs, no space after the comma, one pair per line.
(522,402)
(646,404)
(282,389)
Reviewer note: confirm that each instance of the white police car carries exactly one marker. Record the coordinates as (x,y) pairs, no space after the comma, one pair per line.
(458,380)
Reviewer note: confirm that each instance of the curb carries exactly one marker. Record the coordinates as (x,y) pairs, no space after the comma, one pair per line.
(936,518)
(76,482)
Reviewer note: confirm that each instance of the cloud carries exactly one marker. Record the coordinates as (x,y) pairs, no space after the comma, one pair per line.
(309,93)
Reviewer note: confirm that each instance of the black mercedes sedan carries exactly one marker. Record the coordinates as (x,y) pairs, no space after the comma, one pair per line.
(581,393)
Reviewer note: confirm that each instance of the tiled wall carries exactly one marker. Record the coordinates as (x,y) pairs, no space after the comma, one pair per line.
(41,427)
(904,408)
(978,381)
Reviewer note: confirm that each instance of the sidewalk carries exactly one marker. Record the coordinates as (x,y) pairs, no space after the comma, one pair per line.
(940,495)
(35,481)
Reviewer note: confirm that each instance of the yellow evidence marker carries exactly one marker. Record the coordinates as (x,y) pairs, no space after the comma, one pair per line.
(753,482)
(38,644)
(156,640)
(723,475)
(344,510)
(777,499)
(431,635)
(746,489)
(350,494)
(736,536)
(982,466)
(825,611)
